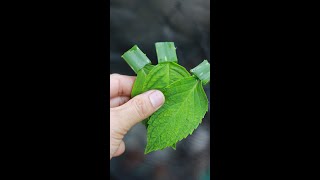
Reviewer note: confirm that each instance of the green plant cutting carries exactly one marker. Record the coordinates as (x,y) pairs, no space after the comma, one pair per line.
(140,64)
(164,73)
(186,102)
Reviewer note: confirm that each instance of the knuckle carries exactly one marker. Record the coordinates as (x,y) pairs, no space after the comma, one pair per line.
(117,134)
(114,75)
(114,79)
(140,107)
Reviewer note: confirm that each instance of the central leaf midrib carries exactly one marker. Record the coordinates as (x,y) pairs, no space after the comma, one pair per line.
(148,81)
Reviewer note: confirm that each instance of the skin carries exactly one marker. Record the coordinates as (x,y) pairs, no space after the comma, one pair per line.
(126,112)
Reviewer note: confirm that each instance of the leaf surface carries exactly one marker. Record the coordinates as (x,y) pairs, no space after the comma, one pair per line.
(185,106)
(141,76)
(163,75)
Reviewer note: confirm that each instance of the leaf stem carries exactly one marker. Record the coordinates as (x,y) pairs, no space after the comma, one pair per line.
(166,52)
(135,58)
(202,72)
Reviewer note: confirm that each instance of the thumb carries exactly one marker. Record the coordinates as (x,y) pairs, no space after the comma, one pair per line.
(138,108)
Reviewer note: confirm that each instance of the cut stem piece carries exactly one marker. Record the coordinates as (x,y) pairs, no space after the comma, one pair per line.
(202,72)
(166,52)
(135,58)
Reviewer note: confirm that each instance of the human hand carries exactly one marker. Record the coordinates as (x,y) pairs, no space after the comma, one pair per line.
(126,112)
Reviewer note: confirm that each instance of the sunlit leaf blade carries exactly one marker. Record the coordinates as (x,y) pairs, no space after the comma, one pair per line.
(141,76)
(186,103)
(166,72)
(185,106)
(163,75)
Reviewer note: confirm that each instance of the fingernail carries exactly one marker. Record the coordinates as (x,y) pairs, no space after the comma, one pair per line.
(156,98)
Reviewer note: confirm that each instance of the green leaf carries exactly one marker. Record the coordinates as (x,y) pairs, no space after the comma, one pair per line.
(163,75)
(185,106)
(174,146)
(167,71)
(141,76)
(138,84)
(186,103)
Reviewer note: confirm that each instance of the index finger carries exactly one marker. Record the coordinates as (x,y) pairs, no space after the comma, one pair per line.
(121,85)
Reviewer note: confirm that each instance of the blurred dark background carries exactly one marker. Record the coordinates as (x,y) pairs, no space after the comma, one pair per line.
(187,24)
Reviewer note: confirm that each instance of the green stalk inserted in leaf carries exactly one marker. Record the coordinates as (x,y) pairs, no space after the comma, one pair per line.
(167,70)
(166,52)
(202,71)
(141,65)
(186,102)
(135,58)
